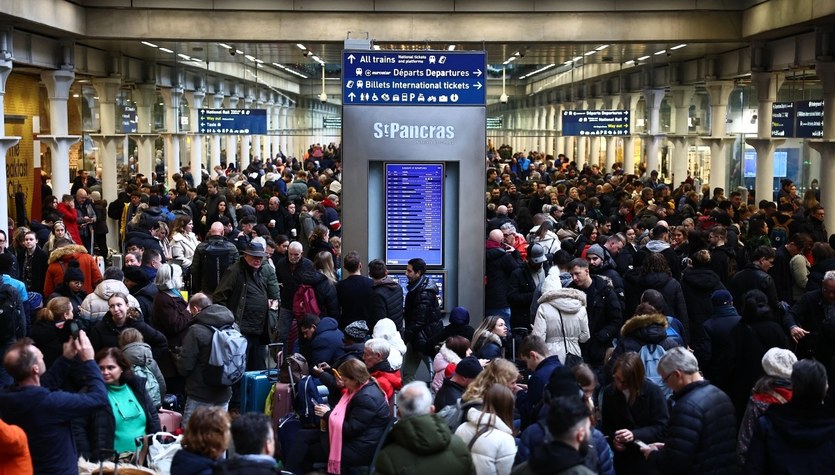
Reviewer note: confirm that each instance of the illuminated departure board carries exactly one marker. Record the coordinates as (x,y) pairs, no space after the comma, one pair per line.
(414,213)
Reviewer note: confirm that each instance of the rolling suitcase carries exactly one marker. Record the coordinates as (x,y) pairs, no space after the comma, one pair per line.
(256,385)
(170,421)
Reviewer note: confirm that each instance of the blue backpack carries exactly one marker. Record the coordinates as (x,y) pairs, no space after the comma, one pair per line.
(650,355)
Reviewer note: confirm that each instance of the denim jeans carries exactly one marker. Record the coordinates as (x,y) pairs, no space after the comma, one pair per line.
(192,404)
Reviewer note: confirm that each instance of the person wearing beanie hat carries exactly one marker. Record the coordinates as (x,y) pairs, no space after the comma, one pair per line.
(777,363)
(599,265)
(453,387)
(59,261)
(357,331)
(72,287)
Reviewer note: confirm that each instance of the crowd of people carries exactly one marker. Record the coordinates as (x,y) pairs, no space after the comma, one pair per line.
(629,327)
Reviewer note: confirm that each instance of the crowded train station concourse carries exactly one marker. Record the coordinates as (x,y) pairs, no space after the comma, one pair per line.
(389,237)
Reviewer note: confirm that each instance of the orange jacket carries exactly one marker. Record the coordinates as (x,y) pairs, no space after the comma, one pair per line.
(14,451)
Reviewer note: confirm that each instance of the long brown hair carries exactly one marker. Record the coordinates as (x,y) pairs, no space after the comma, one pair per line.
(632,371)
(499,401)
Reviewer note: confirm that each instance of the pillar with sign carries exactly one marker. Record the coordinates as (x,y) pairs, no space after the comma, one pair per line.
(414,133)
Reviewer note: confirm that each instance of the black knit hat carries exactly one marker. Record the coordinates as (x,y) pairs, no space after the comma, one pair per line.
(73,272)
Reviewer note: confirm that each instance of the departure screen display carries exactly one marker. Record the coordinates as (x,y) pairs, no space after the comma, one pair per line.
(414,213)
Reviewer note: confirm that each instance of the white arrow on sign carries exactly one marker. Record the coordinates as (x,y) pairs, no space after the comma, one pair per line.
(478,73)
(478,85)
(351,96)
(351,58)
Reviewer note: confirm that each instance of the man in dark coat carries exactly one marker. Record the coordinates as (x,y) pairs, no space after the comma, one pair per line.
(208,258)
(718,355)
(324,337)
(290,272)
(799,436)
(604,310)
(534,352)
(254,440)
(354,292)
(781,272)
(659,243)
(523,284)
(701,436)
(386,299)
(755,277)
(809,327)
(423,318)
(502,260)
(421,440)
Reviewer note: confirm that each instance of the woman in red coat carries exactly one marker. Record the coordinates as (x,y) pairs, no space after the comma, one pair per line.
(70,216)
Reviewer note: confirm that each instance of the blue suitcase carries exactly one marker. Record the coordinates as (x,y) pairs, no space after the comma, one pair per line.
(255,386)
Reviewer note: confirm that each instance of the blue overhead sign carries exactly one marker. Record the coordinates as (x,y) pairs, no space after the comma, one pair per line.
(595,122)
(782,119)
(809,119)
(232,121)
(444,78)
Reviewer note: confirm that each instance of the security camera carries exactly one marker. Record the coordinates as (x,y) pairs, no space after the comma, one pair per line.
(232,51)
(323,97)
(503,98)
(306,53)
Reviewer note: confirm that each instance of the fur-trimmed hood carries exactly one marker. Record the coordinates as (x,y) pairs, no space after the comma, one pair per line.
(63,253)
(643,321)
(449,355)
(566,300)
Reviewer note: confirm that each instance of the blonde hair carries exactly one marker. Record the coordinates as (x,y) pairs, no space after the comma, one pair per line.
(499,371)
(56,307)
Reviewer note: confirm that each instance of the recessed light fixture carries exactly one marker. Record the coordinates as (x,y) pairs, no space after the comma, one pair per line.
(568,62)
(590,53)
(75,95)
(542,69)
(660,52)
(577,58)
(643,58)
(184,56)
(237,51)
(301,46)
(166,50)
(148,43)
(249,57)
(259,61)
(224,45)
(315,58)
(679,46)
(601,47)
(630,62)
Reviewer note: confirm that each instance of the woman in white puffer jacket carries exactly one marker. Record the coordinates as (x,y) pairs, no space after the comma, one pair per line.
(95,304)
(488,432)
(387,330)
(571,304)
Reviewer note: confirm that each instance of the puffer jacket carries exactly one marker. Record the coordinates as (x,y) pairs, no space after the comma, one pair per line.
(605,314)
(637,332)
(422,314)
(194,354)
(387,330)
(386,302)
(701,436)
(366,419)
(326,344)
(571,304)
(102,427)
(444,357)
(105,334)
(183,247)
(697,285)
(494,451)
(59,259)
(95,304)
(139,354)
(390,380)
(423,444)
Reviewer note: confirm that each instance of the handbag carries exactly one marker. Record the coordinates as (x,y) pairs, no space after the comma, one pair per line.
(571,360)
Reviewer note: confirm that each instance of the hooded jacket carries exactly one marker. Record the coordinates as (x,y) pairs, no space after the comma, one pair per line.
(58,261)
(605,314)
(500,264)
(387,330)
(444,358)
(665,250)
(555,458)
(571,305)
(698,285)
(326,344)
(493,452)
(139,354)
(95,304)
(194,354)
(669,288)
(793,439)
(637,332)
(389,379)
(423,444)
(386,302)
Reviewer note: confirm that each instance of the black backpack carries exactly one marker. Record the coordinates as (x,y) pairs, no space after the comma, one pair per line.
(215,262)
(12,319)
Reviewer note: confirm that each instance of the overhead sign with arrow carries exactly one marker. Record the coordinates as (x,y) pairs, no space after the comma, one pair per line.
(444,78)
(232,121)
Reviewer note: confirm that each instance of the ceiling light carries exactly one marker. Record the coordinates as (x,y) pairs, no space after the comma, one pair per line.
(630,62)
(544,68)
(278,65)
(643,58)
(259,61)
(376,47)
(451,48)
(601,47)
(224,45)
(568,62)
(166,50)
(577,58)
(316,58)
(590,53)
(301,46)
(679,46)
(148,43)
(184,56)
(517,54)
(75,95)
(522,77)
(239,51)
(249,57)
(660,52)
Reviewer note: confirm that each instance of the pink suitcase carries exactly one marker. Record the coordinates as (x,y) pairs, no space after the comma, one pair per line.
(170,421)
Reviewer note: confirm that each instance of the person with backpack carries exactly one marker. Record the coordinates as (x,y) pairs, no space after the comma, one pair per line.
(290,273)
(211,258)
(143,364)
(193,359)
(633,409)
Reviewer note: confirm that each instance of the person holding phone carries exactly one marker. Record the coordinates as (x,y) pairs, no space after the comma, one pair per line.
(634,413)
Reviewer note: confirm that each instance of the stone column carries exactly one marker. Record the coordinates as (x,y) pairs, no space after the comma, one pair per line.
(246,140)
(146,97)
(282,128)
(195,99)
(629,101)
(58,84)
(107,89)
(719,92)
(549,130)
(273,113)
(214,144)
(653,98)
(681,97)
(5,142)
(256,139)
(232,140)
(171,97)
(767,85)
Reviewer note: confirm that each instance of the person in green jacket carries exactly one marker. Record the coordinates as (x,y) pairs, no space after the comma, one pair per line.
(421,441)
